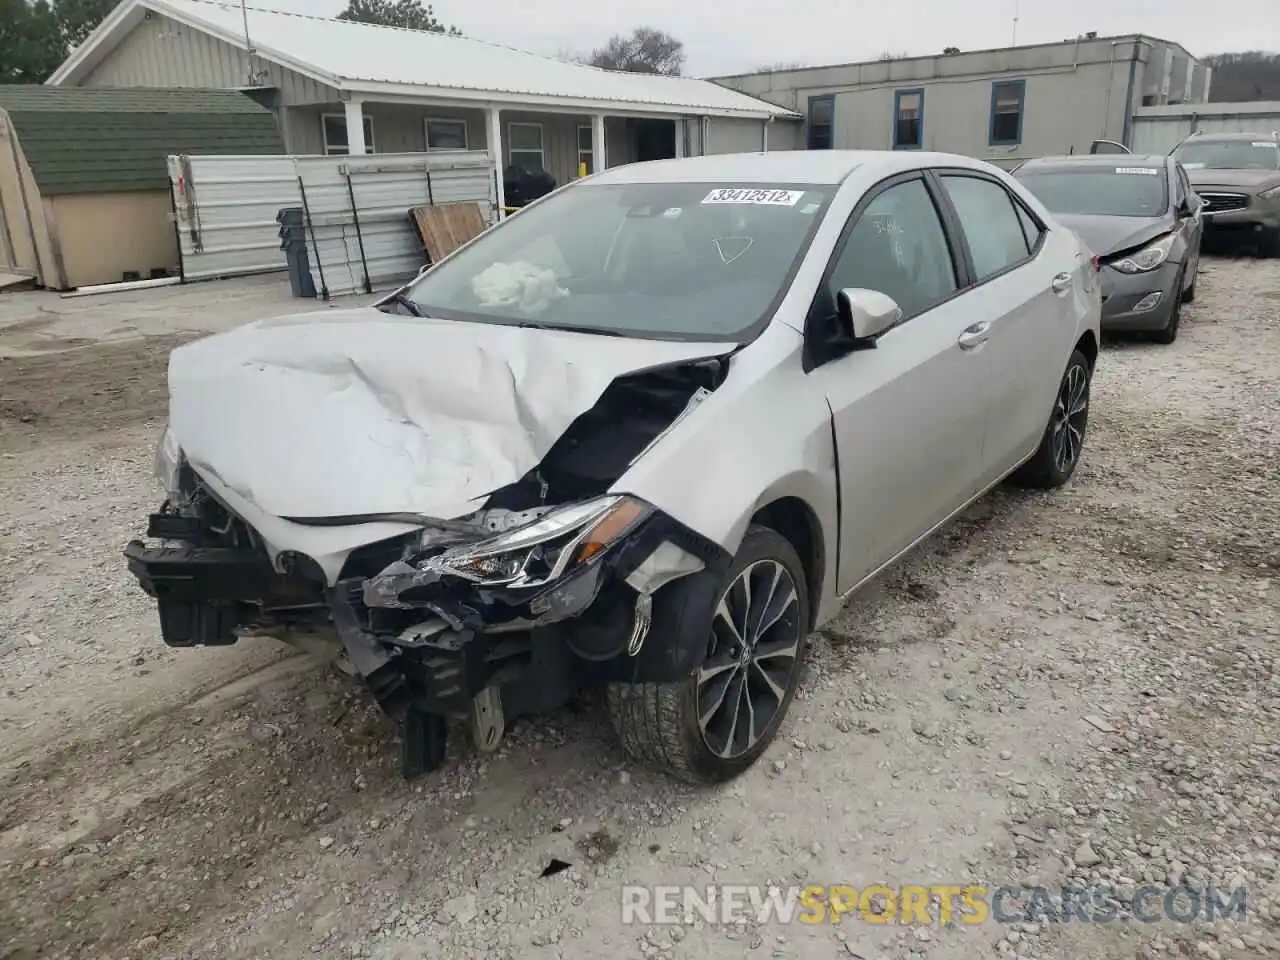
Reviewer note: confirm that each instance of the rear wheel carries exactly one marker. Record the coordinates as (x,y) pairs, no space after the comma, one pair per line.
(1055,459)
(714,724)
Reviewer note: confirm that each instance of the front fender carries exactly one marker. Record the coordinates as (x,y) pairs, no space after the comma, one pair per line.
(763,435)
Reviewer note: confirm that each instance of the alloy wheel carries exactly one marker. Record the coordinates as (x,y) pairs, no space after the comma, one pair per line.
(1069,415)
(752,659)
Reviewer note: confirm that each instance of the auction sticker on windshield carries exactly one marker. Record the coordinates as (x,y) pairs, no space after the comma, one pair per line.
(774,198)
(1149,171)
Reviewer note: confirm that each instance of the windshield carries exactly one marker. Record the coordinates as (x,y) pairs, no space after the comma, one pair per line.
(1229,155)
(1098,190)
(689,261)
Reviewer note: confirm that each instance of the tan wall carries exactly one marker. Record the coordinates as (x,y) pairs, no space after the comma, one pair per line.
(25,245)
(102,236)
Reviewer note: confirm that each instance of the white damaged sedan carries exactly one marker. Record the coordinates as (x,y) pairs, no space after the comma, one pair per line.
(644,435)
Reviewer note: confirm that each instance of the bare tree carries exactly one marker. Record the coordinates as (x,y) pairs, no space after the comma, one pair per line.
(646,50)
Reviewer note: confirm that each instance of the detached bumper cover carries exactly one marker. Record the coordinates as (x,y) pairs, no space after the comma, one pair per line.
(203,593)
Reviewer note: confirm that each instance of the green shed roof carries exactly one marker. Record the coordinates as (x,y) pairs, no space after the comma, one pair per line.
(113,140)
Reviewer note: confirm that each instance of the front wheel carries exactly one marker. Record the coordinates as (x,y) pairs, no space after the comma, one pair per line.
(714,724)
(1055,459)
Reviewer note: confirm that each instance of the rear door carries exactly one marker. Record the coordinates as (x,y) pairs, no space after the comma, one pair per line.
(1027,290)
(909,414)
(1192,226)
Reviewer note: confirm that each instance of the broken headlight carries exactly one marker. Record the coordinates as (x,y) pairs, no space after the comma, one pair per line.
(169,464)
(545,550)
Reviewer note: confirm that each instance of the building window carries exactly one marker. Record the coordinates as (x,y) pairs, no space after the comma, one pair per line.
(524,146)
(584,148)
(446,135)
(908,119)
(333,128)
(822,118)
(1007,100)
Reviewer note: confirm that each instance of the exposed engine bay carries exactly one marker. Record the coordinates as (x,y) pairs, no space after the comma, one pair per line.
(548,587)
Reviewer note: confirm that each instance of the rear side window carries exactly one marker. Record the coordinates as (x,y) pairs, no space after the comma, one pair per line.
(990,221)
(1030,229)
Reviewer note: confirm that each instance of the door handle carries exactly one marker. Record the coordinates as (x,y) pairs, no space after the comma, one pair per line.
(1061,283)
(975,335)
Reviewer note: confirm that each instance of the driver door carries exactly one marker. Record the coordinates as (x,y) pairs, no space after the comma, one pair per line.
(909,414)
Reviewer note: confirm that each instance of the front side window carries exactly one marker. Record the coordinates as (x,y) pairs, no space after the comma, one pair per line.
(898,248)
(821,128)
(990,223)
(1007,99)
(446,135)
(1229,155)
(689,261)
(908,119)
(524,146)
(1100,190)
(333,127)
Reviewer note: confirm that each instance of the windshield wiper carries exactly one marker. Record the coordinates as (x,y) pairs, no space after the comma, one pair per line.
(403,300)
(598,331)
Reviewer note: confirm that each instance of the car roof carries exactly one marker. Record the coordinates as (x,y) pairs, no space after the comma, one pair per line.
(1206,137)
(782,166)
(1100,160)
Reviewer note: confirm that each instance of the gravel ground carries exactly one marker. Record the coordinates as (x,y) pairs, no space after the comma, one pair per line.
(1074,688)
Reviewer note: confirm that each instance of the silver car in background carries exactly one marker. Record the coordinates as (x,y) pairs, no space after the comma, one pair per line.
(1141,218)
(644,435)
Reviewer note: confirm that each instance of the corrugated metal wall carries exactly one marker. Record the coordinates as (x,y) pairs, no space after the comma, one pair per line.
(360,235)
(161,52)
(1160,129)
(226,210)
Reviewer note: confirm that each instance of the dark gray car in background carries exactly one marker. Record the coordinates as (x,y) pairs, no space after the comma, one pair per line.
(1237,175)
(1141,218)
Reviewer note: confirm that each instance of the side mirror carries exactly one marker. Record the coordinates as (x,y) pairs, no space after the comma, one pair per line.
(866,314)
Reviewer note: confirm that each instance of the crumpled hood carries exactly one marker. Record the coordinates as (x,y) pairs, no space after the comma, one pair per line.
(1107,235)
(348,413)
(1246,180)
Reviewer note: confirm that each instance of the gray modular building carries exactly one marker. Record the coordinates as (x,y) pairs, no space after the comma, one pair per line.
(1002,105)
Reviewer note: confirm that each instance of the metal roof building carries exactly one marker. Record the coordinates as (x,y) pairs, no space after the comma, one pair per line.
(339,86)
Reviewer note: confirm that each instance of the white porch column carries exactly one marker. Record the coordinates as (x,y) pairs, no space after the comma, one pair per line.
(494,139)
(764,138)
(356,146)
(599,158)
(679,122)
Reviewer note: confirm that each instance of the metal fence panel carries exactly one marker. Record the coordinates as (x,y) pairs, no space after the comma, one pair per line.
(1160,129)
(360,234)
(226,210)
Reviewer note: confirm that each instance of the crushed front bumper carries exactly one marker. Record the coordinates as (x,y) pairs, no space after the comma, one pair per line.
(436,650)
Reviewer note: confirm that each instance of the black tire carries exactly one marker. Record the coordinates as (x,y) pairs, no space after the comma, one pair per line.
(1169,332)
(1269,244)
(1046,470)
(658,723)
(1189,295)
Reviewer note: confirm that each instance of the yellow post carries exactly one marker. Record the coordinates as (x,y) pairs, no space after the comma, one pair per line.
(582,168)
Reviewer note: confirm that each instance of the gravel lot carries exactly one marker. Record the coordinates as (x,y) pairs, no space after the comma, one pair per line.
(1077,687)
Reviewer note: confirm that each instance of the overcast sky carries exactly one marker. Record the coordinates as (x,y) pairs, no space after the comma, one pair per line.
(731,37)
